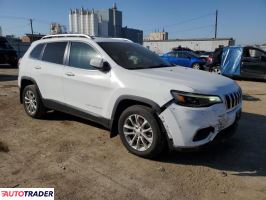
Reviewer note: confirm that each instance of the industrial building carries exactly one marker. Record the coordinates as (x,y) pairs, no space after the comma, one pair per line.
(157,36)
(204,44)
(56,28)
(103,23)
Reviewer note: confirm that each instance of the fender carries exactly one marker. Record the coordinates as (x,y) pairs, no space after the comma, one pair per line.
(143,100)
(153,105)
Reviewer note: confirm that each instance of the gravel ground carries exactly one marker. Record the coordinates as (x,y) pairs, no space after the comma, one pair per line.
(80,160)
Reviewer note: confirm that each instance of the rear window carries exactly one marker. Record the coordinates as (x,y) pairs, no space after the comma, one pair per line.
(54,52)
(36,52)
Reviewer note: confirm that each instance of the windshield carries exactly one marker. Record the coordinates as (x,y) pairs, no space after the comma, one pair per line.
(132,55)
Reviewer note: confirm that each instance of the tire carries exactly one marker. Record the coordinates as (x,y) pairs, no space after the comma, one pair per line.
(32,102)
(147,144)
(216,70)
(196,66)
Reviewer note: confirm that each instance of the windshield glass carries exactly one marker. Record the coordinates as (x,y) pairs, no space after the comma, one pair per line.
(132,55)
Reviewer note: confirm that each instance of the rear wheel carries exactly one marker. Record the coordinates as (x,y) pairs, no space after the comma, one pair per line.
(32,102)
(196,66)
(140,132)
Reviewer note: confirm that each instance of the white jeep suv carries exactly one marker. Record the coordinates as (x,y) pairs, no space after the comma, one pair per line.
(128,89)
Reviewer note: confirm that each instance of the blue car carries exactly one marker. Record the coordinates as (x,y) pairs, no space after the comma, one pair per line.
(185,59)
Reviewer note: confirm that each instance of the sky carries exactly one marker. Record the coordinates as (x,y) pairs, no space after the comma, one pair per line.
(244,20)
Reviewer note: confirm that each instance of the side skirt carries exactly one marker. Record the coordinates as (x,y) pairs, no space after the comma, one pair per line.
(55,105)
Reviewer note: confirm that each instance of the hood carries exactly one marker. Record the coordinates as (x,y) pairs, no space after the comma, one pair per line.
(188,80)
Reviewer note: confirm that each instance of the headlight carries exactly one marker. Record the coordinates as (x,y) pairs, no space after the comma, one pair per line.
(195,100)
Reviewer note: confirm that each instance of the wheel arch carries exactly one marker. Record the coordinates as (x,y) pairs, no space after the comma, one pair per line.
(25,81)
(126,101)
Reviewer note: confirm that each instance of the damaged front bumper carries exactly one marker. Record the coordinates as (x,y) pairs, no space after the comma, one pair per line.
(189,127)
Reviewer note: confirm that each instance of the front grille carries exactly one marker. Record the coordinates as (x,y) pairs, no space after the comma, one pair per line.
(233,99)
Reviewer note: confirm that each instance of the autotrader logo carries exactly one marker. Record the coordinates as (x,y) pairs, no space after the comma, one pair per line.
(27,193)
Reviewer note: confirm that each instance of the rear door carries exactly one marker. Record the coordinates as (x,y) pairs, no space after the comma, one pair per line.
(253,64)
(49,71)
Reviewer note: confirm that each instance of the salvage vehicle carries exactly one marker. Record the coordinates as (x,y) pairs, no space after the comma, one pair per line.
(8,55)
(239,62)
(129,90)
(185,59)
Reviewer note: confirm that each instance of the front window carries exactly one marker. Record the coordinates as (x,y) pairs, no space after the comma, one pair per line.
(132,56)
(81,54)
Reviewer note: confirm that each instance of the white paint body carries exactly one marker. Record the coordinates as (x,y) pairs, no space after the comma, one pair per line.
(95,92)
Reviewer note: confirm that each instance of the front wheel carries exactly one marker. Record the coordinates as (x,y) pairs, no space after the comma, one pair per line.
(140,132)
(196,66)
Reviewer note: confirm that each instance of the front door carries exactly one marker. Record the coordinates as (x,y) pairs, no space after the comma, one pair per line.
(183,59)
(85,88)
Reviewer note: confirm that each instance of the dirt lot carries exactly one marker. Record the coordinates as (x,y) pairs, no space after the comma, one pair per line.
(80,161)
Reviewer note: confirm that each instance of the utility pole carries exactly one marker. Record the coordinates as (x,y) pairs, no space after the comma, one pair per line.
(31,30)
(216,19)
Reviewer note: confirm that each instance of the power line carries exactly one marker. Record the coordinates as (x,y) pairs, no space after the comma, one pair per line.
(24,18)
(13,17)
(194,28)
(183,22)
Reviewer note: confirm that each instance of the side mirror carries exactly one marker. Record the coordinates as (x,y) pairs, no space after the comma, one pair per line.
(100,64)
(97,63)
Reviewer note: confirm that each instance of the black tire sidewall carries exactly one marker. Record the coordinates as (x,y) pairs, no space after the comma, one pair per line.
(147,113)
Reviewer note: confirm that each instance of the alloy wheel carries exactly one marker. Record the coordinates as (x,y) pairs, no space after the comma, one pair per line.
(138,132)
(30,102)
(196,66)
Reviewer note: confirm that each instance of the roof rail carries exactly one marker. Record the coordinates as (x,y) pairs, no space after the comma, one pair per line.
(66,35)
(125,39)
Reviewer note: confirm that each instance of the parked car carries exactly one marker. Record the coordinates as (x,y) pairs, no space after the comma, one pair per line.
(242,62)
(7,53)
(205,54)
(185,59)
(180,48)
(128,89)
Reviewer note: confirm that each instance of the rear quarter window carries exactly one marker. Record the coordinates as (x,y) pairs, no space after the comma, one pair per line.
(54,52)
(36,52)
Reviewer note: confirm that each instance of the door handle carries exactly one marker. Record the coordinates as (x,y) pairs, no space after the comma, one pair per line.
(37,67)
(70,74)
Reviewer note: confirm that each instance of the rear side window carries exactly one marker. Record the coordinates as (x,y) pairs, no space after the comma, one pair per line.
(171,54)
(81,54)
(36,52)
(54,52)
(182,55)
